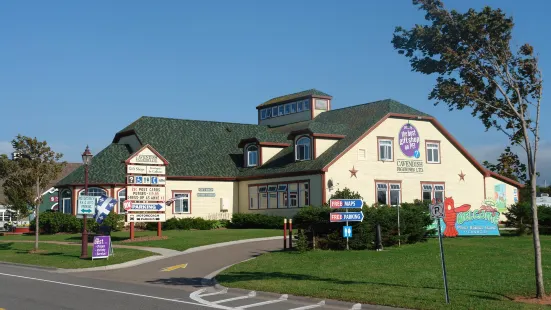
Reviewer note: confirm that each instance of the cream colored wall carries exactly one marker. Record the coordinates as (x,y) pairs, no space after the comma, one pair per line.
(205,207)
(510,195)
(470,191)
(287,119)
(315,194)
(268,153)
(322,145)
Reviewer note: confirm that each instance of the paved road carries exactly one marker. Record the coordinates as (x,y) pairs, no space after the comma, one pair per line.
(199,265)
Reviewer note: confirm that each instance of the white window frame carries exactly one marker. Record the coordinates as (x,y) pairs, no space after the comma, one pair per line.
(362,154)
(434,187)
(308,151)
(432,148)
(247,155)
(388,187)
(388,145)
(121,209)
(287,191)
(180,200)
(276,114)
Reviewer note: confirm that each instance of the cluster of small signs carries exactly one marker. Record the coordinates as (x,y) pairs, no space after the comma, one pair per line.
(145,188)
(346,216)
(206,192)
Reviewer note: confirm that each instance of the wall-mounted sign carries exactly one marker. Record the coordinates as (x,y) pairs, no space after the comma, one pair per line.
(206,189)
(145,193)
(146,217)
(409,141)
(54,199)
(146,179)
(146,156)
(409,166)
(206,195)
(136,169)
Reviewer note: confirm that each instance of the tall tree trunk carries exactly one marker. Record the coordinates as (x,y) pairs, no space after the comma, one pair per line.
(37,212)
(540,291)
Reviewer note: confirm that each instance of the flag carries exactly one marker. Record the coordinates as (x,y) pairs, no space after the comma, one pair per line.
(104,205)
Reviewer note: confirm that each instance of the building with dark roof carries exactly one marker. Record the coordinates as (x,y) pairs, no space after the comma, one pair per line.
(300,152)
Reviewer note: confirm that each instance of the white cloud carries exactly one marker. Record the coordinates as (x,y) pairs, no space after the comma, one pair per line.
(5,147)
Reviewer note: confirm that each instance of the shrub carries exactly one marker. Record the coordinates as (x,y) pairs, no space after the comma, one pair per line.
(187,224)
(57,222)
(414,220)
(302,242)
(520,216)
(250,220)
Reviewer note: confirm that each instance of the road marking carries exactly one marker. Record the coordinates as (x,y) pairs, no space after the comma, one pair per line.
(174,267)
(319,304)
(114,291)
(224,291)
(262,303)
(197,297)
(251,294)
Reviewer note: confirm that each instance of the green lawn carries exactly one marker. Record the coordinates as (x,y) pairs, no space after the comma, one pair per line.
(177,239)
(483,273)
(62,256)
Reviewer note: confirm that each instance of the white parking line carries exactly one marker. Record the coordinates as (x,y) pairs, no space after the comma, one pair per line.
(251,294)
(282,298)
(319,304)
(224,291)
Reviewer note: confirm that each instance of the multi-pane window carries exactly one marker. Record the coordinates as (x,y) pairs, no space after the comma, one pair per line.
(433,152)
(388,193)
(321,104)
(278,196)
(385,149)
(94,191)
(433,191)
(66,205)
(289,108)
(252,155)
(302,149)
(122,198)
(182,203)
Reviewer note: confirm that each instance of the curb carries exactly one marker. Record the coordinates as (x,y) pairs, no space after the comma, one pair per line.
(159,257)
(28,266)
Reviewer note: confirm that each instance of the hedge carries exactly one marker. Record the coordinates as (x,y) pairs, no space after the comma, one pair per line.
(188,224)
(57,222)
(520,217)
(322,234)
(253,220)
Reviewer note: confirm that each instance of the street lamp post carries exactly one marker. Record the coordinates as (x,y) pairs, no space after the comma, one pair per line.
(86,159)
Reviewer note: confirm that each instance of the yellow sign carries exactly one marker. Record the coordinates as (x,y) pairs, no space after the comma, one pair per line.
(171,268)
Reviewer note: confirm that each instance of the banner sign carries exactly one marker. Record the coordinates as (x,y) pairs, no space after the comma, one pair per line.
(464,221)
(146,217)
(145,193)
(102,247)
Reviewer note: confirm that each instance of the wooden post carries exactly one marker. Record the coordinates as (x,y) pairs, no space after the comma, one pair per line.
(132,231)
(284,234)
(290,234)
(159,231)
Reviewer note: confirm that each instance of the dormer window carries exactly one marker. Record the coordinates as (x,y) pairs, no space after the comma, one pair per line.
(251,155)
(302,149)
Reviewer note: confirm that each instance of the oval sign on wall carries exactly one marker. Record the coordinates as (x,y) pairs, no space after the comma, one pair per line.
(409,141)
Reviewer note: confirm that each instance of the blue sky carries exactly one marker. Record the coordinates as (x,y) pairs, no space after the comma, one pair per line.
(75,72)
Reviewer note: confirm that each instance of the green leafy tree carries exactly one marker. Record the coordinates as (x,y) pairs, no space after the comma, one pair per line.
(29,175)
(346,193)
(477,68)
(508,165)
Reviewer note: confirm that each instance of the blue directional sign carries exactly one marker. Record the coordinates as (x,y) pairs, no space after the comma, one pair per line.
(346,216)
(139,180)
(347,231)
(345,203)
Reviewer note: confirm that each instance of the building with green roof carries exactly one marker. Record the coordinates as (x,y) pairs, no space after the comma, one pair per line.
(299,153)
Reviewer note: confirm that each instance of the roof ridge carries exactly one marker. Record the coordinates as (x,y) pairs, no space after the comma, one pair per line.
(198,120)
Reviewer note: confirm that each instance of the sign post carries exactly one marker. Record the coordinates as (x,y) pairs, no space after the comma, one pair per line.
(352,216)
(145,188)
(437,212)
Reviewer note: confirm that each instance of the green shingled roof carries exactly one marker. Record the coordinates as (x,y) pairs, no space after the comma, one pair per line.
(305,93)
(210,149)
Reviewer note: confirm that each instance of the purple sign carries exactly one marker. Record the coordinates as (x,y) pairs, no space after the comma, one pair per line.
(102,247)
(409,141)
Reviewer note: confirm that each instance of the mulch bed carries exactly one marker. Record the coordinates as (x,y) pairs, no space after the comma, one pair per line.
(146,238)
(531,300)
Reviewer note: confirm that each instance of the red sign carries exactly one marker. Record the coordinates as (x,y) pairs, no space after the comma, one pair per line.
(127,204)
(335,217)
